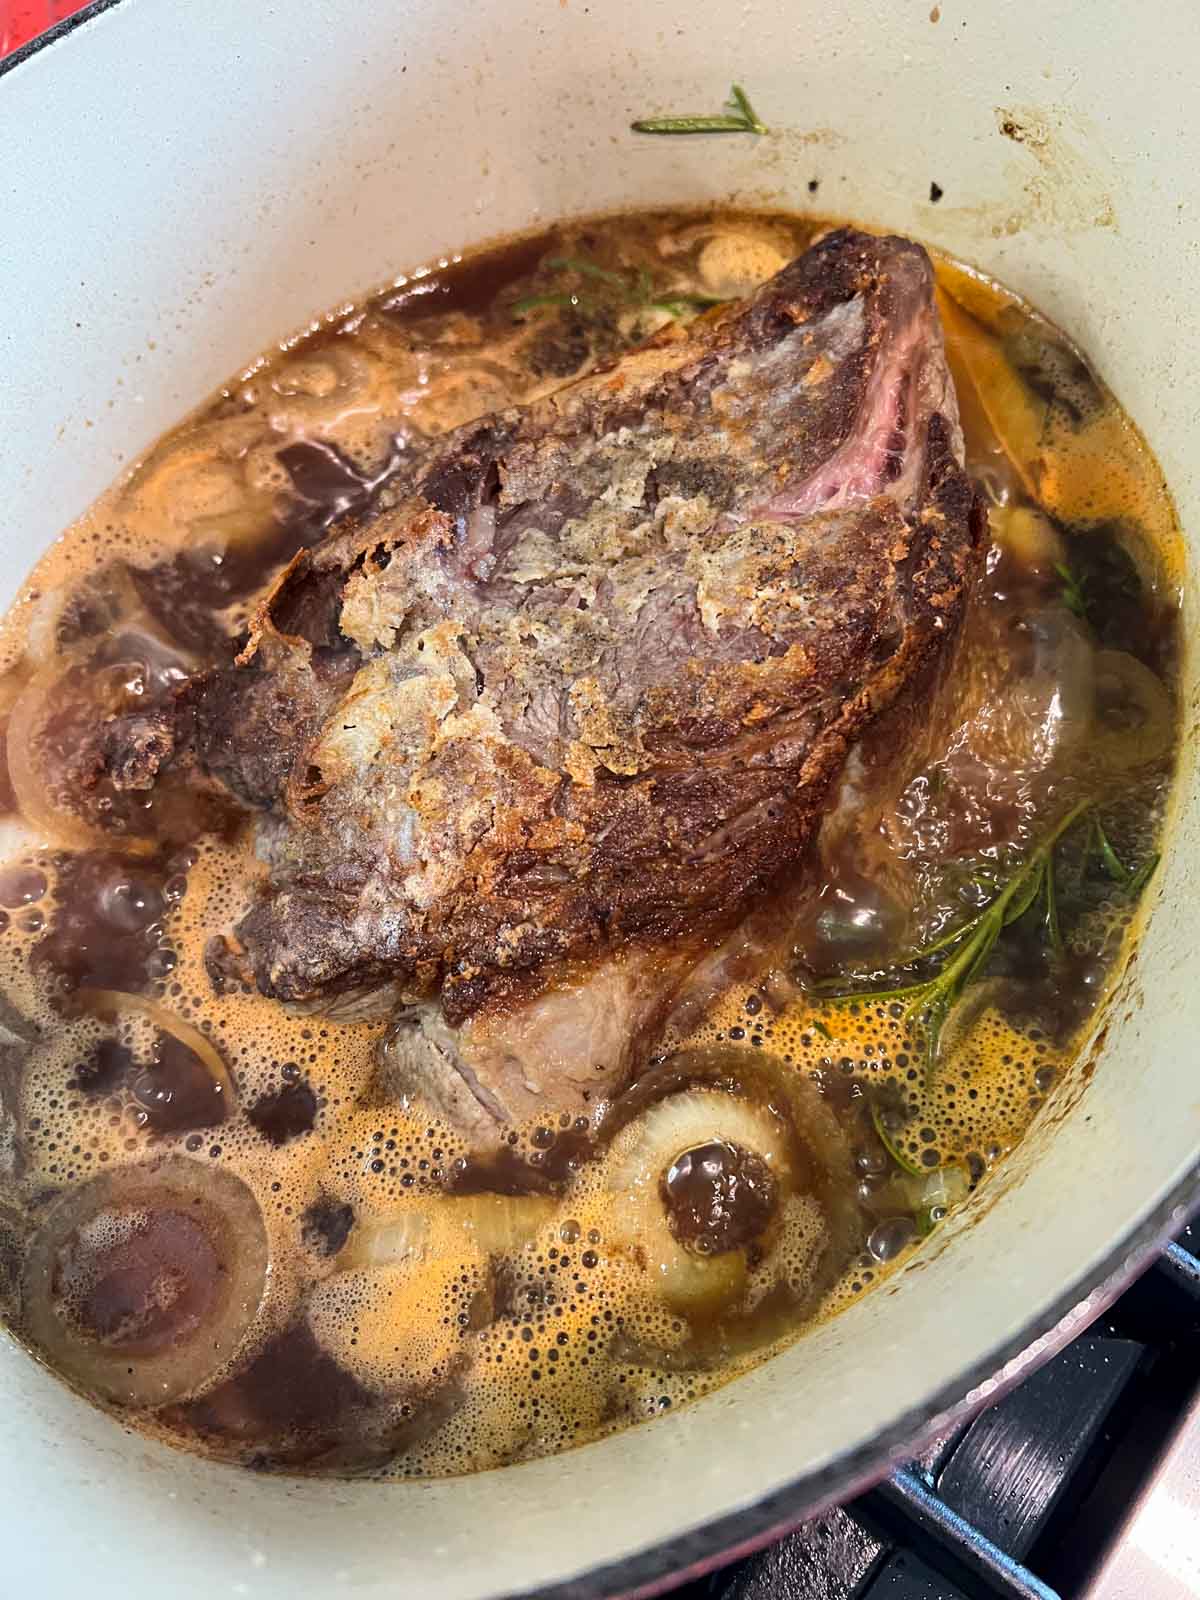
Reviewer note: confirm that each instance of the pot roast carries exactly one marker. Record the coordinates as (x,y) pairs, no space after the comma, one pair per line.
(533,735)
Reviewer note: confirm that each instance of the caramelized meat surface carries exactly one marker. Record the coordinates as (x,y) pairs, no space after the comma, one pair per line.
(570,703)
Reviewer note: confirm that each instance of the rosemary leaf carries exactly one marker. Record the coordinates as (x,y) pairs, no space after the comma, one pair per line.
(835,992)
(904,1162)
(1142,876)
(690,125)
(738,98)
(949,938)
(532,301)
(634,289)
(934,1022)
(1027,894)
(968,947)
(1050,887)
(678,305)
(983,946)
(589,269)
(1113,865)
(819,1027)
(743,119)
(1072,592)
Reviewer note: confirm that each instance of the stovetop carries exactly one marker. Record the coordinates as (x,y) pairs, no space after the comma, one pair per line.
(1083,1482)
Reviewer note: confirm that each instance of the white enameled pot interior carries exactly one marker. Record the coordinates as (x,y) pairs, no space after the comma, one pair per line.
(185,181)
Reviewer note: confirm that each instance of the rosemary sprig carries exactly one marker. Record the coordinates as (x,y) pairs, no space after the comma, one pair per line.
(1073,592)
(634,290)
(1050,889)
(929,1001)
(1131,879)
(740,118)
(532,301)
(739,98)
(588,269)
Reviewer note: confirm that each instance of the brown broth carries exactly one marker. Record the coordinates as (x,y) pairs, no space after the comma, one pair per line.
(428,1312)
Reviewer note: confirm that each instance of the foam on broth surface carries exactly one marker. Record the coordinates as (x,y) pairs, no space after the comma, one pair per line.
(422,1316)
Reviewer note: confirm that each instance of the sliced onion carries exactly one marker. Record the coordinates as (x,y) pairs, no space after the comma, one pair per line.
(194,473)
(677,1124)
(30,783)
(492,1224)
(744,1298)
(941,1189)
(687,1282)
(387,1242)
(1030,538)
(498,1223)
(1135,721)
(142,1285)
(320,390)
(946,1186)
(111,1002)
(986,378)
(646,1150)
(244,525)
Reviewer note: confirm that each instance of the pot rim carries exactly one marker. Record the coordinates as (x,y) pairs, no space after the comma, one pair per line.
(54,33)
(689,1555)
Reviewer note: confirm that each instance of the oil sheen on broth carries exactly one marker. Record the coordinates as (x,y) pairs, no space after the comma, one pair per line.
(216,1218)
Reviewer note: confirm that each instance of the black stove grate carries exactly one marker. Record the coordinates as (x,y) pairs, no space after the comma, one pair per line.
(1021,1502)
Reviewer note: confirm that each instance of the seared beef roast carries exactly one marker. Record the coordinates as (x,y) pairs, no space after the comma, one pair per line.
(540,731)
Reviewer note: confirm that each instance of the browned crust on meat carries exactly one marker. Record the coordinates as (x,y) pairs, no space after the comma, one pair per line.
(652,832)
(651,815)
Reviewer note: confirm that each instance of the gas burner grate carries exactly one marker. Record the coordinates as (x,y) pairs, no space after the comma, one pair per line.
(1028,1500)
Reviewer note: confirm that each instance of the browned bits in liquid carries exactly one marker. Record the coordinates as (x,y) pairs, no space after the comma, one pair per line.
(718,1197)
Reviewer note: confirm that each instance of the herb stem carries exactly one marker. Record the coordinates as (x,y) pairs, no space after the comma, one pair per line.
(930,1000)
(690,125)
(588,269)
(741,119)
(1052,923)
(904,1162)
(739,98)
(614,290)
(532,301)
